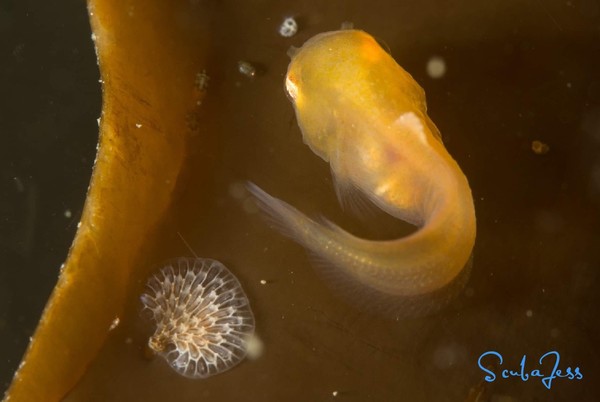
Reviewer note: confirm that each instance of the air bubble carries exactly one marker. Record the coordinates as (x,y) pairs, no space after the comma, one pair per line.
(436,67)
(288,27)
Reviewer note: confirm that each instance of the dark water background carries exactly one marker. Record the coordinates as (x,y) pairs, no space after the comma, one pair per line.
(517,71)
(49,102)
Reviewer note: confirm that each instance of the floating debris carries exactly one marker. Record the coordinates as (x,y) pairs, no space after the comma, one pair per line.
(203,317)
(114,324)
(247,69)
(288,27)
(202,81)
(436,67)
(539,148)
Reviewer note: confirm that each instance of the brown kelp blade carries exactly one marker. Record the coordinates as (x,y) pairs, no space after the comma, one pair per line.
(149,57)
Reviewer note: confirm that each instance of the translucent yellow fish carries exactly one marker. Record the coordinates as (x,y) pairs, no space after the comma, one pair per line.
(366,116)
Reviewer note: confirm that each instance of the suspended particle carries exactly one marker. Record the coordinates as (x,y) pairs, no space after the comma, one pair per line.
(202,315)
(114,324)
(247,69)
(255,347)
(288,27)
(436,67)
(202,81)
(539,148)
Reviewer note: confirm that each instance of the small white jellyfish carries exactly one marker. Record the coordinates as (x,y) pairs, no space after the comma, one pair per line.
(203,317)
(288,27)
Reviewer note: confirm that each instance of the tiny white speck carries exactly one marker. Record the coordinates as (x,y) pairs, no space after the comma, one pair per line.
(202,80)
(436,67)
(138,125)
(334,393)
(114,324)
(19,184)
(263,282)
(288,27)
(98,120)
(247,69)
(78,224)
(529,313)
(68,213)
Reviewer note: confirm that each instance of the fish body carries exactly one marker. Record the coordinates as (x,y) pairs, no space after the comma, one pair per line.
(367,117)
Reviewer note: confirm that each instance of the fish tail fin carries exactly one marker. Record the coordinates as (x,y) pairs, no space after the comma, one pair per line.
(280,215)
(294,224)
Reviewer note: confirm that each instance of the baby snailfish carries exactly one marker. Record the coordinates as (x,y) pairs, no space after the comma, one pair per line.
(366,116)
